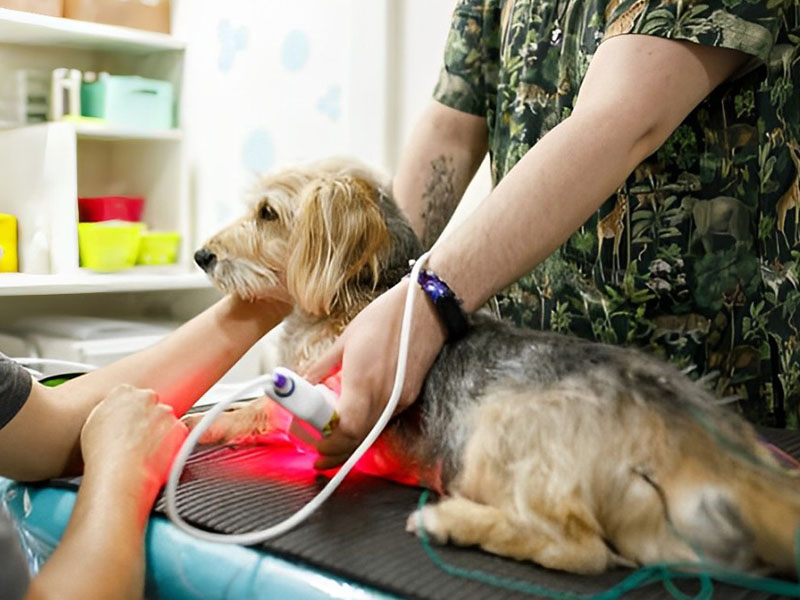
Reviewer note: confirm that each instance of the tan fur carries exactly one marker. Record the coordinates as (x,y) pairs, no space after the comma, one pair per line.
(334,199)
(338,234)
(581,475)
(525,492)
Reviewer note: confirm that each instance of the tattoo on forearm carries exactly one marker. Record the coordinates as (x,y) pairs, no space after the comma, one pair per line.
(439,199)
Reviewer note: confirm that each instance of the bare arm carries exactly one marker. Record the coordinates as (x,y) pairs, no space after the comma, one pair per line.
(445,149)
(637,91)
(41,441)
(129,441)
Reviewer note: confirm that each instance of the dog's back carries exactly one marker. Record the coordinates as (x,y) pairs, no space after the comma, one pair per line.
(593,455)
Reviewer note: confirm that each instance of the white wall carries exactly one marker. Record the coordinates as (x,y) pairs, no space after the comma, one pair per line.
(271,82)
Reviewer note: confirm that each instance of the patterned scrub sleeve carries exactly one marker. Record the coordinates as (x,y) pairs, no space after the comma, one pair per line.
(749,26)
(461,82)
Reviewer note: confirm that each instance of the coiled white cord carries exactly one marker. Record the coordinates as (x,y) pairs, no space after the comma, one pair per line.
(256,537)
(51,362)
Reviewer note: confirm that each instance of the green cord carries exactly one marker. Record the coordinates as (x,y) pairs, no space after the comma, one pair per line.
(666,573)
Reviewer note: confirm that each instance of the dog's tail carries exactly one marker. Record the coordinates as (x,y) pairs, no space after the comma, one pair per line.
(749,519)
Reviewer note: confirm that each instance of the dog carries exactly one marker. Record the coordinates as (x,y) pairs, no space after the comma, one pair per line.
(576,455)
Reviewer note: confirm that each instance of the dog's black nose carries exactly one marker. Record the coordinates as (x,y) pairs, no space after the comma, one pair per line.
(205,259)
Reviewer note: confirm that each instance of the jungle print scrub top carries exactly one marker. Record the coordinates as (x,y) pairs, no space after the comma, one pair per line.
(696,256)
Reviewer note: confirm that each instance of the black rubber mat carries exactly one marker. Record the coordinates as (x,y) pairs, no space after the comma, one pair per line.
(359,533)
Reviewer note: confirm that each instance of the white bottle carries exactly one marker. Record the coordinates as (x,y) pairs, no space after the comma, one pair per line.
(36,253)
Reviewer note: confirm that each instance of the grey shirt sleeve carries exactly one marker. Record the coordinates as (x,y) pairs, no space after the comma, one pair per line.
(15,386)
(14,576)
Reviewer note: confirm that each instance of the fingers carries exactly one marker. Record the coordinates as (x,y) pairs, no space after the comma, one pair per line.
(325,462)
(127,391)
(331,358)
(338,444)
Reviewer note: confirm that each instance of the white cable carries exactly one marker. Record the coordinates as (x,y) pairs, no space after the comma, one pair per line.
(32,360)
(256,537)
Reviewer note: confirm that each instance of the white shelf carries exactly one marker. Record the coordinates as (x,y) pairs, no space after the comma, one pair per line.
(32,29)
(137,279)
(116,133)
(93,132)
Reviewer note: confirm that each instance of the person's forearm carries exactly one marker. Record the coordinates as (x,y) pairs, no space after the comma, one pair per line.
(443,154)
(180,369)
(101,553)
(184,365)
(556,186)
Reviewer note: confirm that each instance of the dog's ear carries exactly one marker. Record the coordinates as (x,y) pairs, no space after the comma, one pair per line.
(337,236)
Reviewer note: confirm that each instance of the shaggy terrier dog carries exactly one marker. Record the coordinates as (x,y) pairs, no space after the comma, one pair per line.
(575,455)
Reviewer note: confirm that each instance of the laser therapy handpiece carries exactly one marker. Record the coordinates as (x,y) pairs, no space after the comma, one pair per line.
(314,404)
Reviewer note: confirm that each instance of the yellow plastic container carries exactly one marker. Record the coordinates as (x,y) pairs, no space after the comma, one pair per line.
(8,244)
(109,245)
(158,248)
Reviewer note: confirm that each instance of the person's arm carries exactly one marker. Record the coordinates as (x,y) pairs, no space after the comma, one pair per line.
(438,162)
(129,441)
(42,439)
(637,90)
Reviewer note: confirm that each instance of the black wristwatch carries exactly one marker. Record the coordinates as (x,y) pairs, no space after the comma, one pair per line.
(447,305)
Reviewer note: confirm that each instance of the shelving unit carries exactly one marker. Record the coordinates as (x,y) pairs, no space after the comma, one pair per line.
(33,29)
(115,133)
(47,166)
(85,282)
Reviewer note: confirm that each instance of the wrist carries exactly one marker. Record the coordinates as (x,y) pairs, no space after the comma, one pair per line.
(128,481)
(446,304)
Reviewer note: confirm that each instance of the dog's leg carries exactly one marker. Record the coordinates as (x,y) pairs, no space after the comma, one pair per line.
(253,419)
(461,521)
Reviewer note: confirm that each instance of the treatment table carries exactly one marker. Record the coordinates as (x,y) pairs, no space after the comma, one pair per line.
(355,546)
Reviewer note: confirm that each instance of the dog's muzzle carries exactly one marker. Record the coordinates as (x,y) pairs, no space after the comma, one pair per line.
(205,259)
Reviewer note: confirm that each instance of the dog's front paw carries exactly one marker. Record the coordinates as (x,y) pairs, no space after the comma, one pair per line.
(250,420)
(427,519)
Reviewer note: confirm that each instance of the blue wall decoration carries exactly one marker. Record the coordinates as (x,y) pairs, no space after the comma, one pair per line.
(258,151)
(295,50)
(330,104)
(232,40)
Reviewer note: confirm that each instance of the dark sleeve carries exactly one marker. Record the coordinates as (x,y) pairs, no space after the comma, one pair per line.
(748,26)
(15,386)
(461,80)
(13,570)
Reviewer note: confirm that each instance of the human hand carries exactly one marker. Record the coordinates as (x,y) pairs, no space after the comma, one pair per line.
(367,351)
(130,435)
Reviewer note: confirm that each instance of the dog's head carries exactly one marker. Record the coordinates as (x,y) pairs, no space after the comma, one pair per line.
(325,236)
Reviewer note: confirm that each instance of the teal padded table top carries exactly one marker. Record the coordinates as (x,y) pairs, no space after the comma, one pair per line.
(180,567)
(355,546)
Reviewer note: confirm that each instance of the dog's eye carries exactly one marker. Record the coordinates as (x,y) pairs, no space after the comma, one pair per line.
(267,213)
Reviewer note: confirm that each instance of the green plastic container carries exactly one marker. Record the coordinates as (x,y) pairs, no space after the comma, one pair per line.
(110,245)
(129,101)
(158,248)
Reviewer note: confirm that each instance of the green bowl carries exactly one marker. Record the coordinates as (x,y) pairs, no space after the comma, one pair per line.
(158,248)
(109,246)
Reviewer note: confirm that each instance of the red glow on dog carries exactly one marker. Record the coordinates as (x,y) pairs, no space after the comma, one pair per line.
(287,454)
